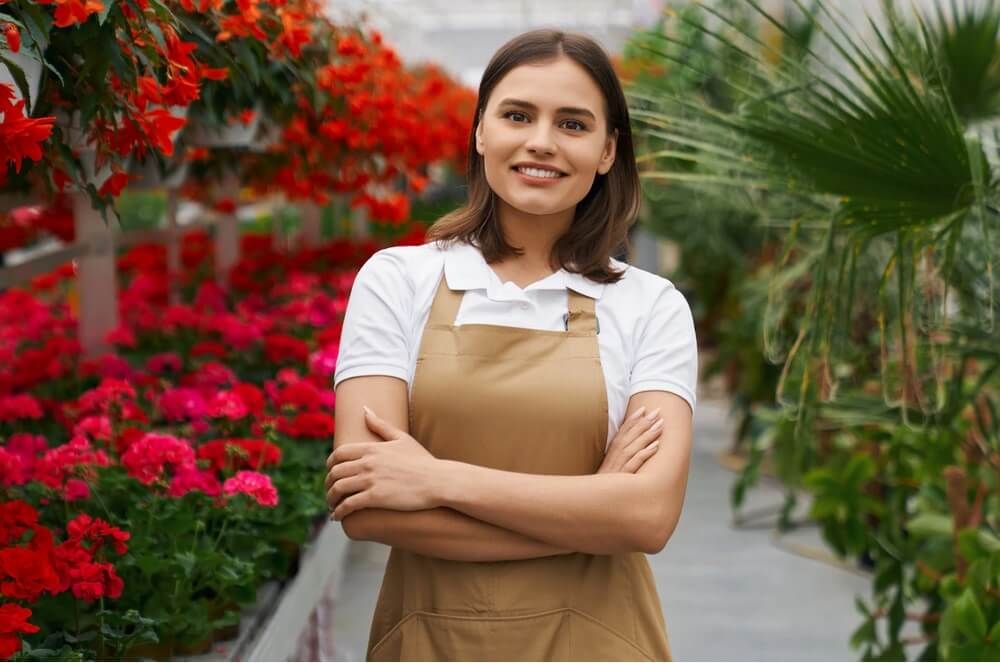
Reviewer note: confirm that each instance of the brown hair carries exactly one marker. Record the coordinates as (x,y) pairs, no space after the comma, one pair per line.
(600,225)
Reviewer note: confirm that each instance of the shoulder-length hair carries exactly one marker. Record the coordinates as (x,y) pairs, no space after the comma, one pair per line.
(602,219)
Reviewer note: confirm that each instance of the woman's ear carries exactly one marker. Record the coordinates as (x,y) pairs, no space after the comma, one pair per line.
(479,136)
(608,158)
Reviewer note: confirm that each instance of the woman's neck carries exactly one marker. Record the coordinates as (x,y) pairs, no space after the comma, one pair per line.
(535,235)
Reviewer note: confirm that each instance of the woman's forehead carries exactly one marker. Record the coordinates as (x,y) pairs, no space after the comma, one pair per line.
(555,85)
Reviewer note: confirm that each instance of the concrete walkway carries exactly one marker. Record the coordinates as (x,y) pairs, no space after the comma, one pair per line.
(728,593)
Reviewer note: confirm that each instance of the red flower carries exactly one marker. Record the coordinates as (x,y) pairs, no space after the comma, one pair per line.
(73,12)
(227,405)
(75,459)
(146,459)
(16,518)
(230,455)
(86,579)
(191,478)
(281,348)
(98,533)
(315,425)
(21,406)
(13,620)
(13,37)
(114,185)
(25,574)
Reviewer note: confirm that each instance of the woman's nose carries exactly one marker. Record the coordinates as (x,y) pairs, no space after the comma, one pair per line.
(541,139)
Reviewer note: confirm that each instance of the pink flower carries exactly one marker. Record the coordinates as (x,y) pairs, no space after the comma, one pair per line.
(210,298)
(235,332)
(227,405)
(94,427)
(20,406)
(122,336)
(192,478)
(323,362)
(211,377)
(110,392)
(113,366)
(179,316)
(182,404)
(12,469)
(165,362)
(76,490)
(28,448)
(256,485)
(73,459)
(147,458)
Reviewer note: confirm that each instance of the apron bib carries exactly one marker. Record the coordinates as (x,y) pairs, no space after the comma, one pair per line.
(522,400)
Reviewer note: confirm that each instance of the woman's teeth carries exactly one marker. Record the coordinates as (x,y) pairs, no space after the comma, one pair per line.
(535,172)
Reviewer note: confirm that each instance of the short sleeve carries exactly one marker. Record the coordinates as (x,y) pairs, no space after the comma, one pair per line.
(375,335)
(666,352)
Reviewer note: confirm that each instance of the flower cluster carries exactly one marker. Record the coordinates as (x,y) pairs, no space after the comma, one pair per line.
(191,433)
(33,564)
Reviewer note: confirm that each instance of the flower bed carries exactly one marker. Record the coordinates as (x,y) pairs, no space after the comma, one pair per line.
(145,495)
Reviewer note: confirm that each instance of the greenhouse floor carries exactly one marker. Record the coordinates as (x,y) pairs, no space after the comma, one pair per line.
(729,592)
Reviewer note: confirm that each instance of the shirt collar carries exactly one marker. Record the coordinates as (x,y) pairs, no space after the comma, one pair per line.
(466,269)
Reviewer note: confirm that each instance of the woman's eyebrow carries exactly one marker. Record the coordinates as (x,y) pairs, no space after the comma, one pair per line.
(565,109)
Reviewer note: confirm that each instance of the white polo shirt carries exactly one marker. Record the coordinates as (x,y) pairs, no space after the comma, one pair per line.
(647,337)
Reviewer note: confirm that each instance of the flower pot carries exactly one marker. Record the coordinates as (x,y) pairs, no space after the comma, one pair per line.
(157,651)
(217,610)
(195,647)
(234,134)
(32,69)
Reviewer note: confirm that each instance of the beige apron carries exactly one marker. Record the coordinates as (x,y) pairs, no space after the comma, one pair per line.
(521,400)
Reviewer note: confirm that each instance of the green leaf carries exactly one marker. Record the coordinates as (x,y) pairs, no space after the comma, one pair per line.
(863,634)
(102,16)
(969,617)
(928,525)
(19,78)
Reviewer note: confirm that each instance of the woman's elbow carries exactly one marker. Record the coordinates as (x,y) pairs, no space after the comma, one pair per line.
(655,532)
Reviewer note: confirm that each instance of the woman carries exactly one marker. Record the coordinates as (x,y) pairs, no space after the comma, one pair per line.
(492,383)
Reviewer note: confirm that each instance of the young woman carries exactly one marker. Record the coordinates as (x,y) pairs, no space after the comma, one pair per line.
(492,384)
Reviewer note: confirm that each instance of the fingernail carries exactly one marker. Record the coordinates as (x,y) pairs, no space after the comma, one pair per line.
(652,415)
(638,413)
(365,408)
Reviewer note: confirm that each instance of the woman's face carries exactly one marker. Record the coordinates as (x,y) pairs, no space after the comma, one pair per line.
(527,119)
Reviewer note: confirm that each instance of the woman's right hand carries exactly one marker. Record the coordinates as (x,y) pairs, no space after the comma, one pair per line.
(635,442)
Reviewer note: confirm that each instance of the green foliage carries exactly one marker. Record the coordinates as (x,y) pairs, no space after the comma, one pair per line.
(852,158)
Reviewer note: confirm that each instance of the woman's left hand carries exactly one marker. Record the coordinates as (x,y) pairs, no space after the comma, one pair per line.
(397,473)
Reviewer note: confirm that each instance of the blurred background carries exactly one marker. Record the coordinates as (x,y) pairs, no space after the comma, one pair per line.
(181,221)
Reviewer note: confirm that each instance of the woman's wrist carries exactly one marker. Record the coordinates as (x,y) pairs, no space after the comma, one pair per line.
(448,485)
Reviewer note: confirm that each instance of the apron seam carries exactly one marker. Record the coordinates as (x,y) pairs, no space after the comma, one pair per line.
(508,618)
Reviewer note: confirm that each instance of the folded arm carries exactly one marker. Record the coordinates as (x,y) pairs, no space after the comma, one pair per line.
(439,532)
(597,514)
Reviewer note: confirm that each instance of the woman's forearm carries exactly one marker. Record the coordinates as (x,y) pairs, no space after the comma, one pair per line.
(446,534)
(598,513)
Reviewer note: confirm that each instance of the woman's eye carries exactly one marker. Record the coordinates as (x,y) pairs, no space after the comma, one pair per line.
(582,126)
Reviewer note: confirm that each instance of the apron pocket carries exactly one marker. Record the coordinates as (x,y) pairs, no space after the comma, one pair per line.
(563,634)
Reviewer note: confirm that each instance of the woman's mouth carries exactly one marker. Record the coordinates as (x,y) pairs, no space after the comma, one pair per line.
(538,175)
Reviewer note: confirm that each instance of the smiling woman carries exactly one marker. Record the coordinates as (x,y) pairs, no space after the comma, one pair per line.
(506,366)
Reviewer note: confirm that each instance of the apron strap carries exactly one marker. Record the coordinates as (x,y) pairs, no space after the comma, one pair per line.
(444,308)
(581,316)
